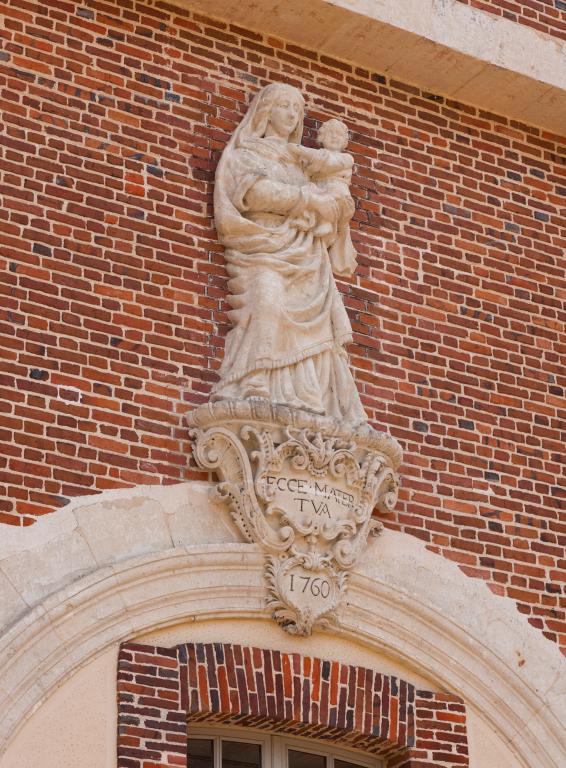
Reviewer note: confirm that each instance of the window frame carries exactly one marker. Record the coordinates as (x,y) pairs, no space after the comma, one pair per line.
(219,733)
(274,746)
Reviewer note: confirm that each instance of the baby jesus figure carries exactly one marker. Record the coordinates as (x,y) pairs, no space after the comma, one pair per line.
(330,169)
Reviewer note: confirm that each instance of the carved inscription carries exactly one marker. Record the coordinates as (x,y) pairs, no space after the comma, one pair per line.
(305,498)
(312,592)
(312,586)
(305,591)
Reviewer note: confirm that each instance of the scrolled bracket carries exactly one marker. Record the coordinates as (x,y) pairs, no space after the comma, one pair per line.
(305,489)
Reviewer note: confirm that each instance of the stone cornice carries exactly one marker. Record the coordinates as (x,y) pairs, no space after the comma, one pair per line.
(260,411)
(441,46)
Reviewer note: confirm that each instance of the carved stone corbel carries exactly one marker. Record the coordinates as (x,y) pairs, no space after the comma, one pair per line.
(304,488)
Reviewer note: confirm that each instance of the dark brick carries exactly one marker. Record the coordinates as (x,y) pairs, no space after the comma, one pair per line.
(41,249)
(38,374)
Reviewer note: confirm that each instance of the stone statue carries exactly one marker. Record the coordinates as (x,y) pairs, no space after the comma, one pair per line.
(282,211)
(297,463)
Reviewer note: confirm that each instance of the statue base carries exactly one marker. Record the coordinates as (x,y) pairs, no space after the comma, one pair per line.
(303,487)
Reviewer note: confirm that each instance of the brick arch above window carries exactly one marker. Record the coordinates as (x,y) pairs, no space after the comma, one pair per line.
(160,690)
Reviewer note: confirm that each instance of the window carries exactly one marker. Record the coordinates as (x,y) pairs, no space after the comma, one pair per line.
(234,747)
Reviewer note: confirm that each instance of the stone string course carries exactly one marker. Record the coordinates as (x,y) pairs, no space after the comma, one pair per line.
(113,285)
(159,689)
(548,16)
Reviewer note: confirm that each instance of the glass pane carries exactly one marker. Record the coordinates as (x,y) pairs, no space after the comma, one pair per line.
(305,760)
(240,754)
(200,753)
(345,764)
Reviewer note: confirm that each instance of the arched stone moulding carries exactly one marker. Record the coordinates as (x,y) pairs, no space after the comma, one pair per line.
(103,571)
(161,689)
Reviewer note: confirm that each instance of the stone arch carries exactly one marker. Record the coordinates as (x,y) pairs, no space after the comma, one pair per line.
(148,563)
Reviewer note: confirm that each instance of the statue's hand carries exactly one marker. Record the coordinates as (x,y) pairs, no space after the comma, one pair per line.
(298,152)
(325,206)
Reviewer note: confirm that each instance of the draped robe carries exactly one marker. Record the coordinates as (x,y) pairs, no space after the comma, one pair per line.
(289,322)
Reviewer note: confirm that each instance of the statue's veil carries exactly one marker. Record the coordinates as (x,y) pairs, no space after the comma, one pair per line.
(227,218)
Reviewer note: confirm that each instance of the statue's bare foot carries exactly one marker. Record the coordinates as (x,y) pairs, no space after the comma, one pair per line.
(256,386)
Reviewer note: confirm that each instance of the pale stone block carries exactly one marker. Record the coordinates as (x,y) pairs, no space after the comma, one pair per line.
(37,572)
(14,538)
(436,69)
(551,102)
(193,517)
(500,90)
(11,717)
(80,620)
(488,628)
(12,605)
(24,675)
(133,525)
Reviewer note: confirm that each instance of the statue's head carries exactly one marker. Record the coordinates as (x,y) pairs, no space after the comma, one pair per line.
(278,109)
(333,135)
(287,112)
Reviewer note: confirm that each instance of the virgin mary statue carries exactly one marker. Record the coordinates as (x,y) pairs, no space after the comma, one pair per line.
(289,322)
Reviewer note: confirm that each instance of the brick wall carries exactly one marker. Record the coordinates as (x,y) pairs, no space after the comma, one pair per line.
(548,16)
(152,726)
(159,690)
(112,317)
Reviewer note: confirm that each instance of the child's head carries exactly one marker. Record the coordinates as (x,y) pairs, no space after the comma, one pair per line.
(333,135)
